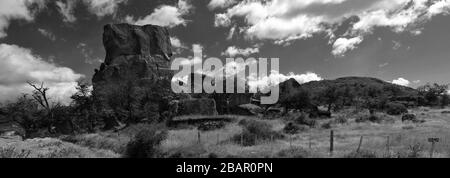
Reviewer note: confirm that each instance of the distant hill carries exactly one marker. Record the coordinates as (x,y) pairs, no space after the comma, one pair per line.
(357,85)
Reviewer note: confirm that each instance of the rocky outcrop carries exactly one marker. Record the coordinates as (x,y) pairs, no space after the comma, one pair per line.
(135,77)
(124,39)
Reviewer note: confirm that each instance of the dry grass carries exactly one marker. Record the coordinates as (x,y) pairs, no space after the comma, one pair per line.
(405,140)
(402,137)
(49,148)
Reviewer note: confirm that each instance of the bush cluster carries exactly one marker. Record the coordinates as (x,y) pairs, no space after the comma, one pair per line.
(396,109)
(254,131)
(146,142)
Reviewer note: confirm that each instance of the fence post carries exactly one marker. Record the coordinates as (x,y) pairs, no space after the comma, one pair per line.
(360,143)
(388,147)
(331,142)
(199,137)
(242,139)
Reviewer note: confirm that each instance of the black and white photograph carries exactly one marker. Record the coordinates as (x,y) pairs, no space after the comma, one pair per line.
(225,79)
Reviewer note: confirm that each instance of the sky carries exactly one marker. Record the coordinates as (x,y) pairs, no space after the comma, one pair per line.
(59,42)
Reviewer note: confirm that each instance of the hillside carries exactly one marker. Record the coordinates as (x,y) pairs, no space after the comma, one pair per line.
(355,85)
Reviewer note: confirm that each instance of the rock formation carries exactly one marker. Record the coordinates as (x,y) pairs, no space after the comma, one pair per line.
(134,80)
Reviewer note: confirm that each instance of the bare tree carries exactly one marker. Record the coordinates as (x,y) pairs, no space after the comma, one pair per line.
(40,95)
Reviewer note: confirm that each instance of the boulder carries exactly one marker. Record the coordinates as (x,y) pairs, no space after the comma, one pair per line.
(202,106)
(251,108)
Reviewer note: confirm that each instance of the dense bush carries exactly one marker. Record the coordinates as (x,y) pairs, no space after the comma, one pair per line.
(367,118)
(396,109)
(300,99)
(292,128)
(341,120)
(411,117)
(145,143)
(254,131)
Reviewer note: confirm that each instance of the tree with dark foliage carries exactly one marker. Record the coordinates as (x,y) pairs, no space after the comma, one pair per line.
(433,93)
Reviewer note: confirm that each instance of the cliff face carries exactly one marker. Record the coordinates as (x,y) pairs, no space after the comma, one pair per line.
(124,39)
(134,52)
(136,73)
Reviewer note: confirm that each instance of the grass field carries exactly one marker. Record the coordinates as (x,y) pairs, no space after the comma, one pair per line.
(391,138)
(388,139)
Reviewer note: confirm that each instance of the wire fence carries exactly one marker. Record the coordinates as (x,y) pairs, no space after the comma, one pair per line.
(335,145)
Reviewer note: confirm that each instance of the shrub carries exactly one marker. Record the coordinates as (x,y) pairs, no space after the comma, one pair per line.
(292,128)
(396,109)
(145,143)
(414,151)
(366,118)
(341,120)
(412,118)
(254,131)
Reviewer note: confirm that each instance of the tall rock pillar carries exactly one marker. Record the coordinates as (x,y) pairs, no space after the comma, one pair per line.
(134,81)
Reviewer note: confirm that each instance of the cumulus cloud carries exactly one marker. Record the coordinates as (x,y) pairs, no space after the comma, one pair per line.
(19,65)
(342,45)
(47,34)
(17,10)
(214,4)
(233,51)
(282,21)
(103,8)
(401,81)
(166,15)
(177,45)
(276,78)
(66,9)
(222,20)
(100,8)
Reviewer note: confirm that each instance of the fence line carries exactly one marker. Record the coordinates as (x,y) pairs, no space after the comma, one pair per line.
(387,144)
